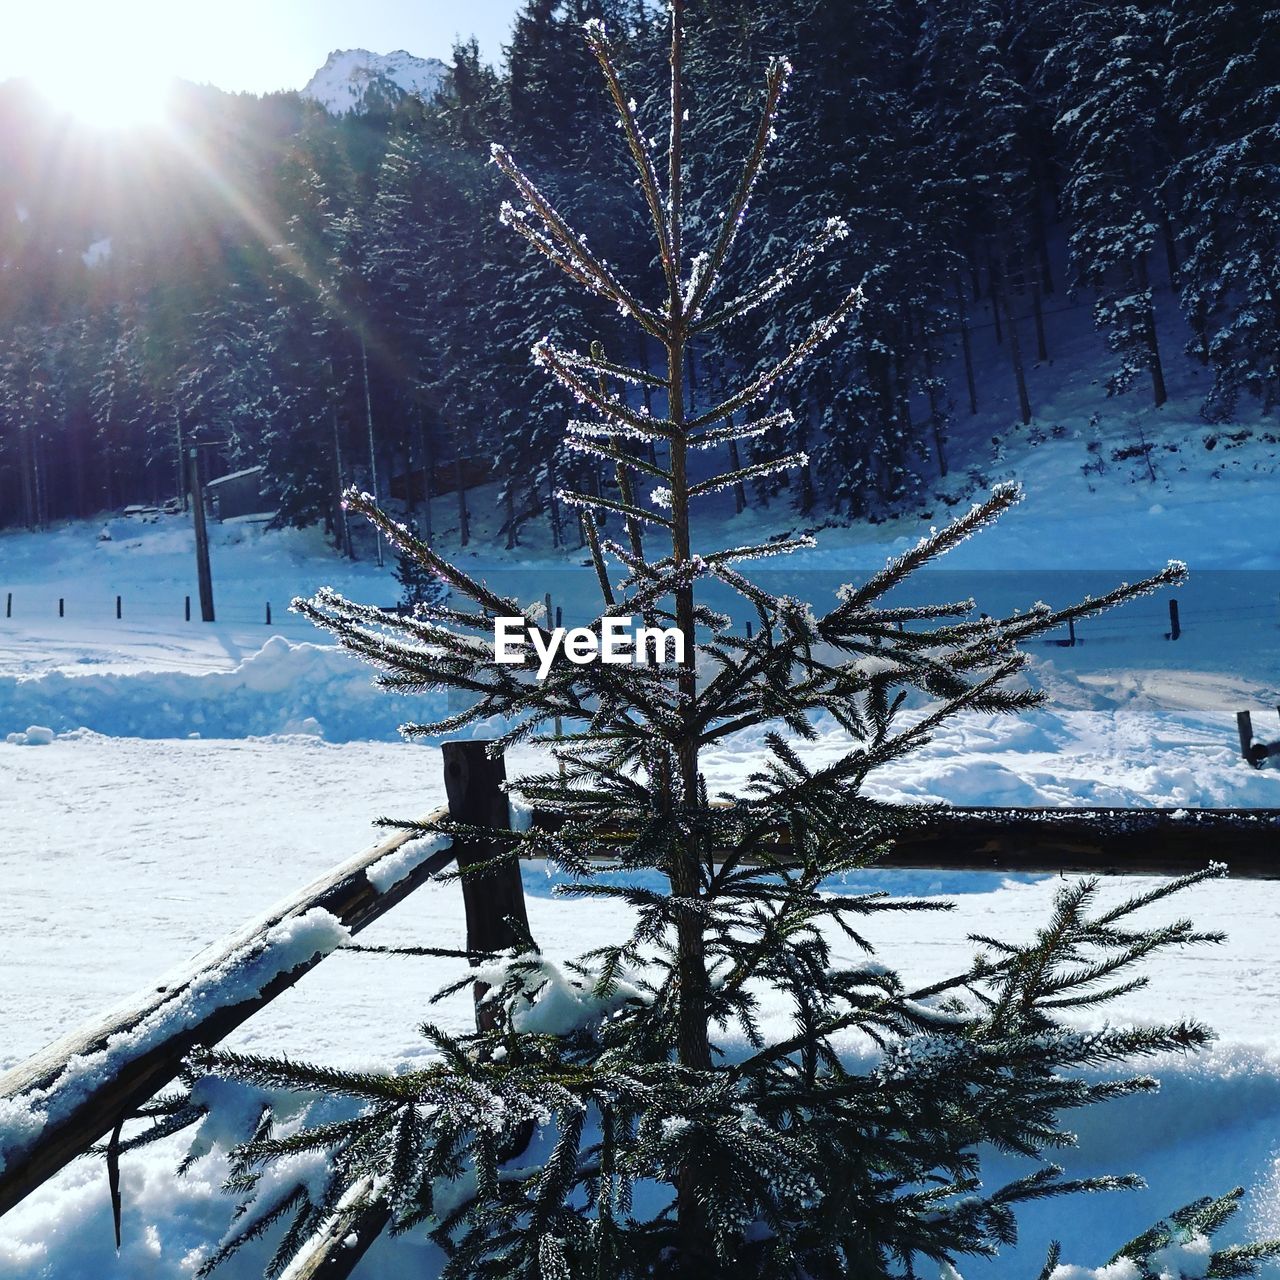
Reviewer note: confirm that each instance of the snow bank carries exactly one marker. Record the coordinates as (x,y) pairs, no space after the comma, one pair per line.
(282,688)
(35,736)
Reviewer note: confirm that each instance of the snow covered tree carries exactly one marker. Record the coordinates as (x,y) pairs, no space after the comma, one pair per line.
(308,440)
(1226,184)
(419,584)
(599,1125)
(1113,122)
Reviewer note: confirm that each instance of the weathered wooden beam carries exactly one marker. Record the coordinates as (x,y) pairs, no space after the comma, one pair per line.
(1100,841)
(334,1252)
(79,1117)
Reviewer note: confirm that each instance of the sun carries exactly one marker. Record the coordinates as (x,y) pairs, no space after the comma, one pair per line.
(117,94)
(107,63)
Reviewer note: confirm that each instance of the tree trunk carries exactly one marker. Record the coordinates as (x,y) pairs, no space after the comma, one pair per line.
(510,504)
(739,493)
(80,478)
(341,524)
(181,470)
(1042,349)
(27,468)
(935,414)
(694,1046)
(108,469)
(37,469)
(967,348)
(1015,355)
(1041,236)
(426,455)
(553,509)
(464,523)
(368,417)
(1158,392)
(994,297)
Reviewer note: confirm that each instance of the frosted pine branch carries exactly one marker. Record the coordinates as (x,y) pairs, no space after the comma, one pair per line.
(547,355)
(637,143)
(792,461)
(572,244)
(747,431)
(760,386)
(590,502)
(835,230)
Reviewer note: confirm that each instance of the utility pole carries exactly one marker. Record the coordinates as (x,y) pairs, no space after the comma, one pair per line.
(202,539)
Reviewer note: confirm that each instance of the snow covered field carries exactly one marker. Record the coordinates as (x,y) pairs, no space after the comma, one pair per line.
(173,865)
(196,773)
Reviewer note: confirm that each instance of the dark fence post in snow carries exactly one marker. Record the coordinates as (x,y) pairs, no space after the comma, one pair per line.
(268,613)
(8,606)
(118,609)
(62,609)
(493,897)
(1175,626)
(1254,752)
(188,608)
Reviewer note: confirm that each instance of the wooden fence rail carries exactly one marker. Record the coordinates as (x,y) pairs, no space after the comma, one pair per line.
(80,1111)
(86,1114)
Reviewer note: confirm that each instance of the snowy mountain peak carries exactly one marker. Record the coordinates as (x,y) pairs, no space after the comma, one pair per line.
(355,80)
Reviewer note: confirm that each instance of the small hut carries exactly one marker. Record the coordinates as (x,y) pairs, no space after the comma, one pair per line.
(238,496)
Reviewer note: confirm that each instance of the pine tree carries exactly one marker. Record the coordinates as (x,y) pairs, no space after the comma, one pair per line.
(308,440)
(1226,183)
(1113,121)
(419,584)
(616,1139)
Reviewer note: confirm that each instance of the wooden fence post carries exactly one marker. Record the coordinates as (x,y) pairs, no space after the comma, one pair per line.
(493,898)
(1175,625)
(118,611)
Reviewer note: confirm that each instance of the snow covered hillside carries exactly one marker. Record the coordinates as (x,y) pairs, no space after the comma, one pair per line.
(353,80)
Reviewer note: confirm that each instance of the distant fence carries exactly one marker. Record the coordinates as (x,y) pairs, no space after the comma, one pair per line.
(121,608)
(1168,622)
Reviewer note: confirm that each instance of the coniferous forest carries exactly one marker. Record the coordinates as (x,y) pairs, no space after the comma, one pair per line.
(333,297)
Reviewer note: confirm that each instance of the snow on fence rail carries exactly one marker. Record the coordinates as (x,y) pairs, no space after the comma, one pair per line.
(54,1106)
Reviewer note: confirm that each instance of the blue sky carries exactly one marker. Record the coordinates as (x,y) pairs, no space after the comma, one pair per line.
(253,45)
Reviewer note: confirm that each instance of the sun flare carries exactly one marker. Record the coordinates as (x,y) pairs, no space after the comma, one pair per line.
(112,65)
(120,97)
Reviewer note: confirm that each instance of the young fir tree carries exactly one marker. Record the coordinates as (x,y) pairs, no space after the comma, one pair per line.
(419,583)
(599,1126)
